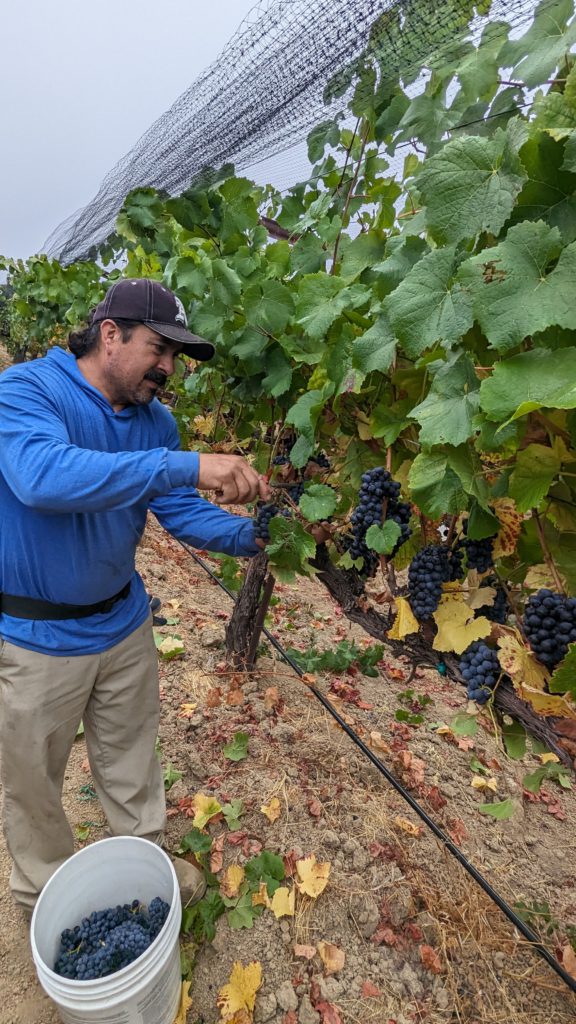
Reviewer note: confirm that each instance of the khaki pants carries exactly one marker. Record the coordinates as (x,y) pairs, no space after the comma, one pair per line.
(42,700)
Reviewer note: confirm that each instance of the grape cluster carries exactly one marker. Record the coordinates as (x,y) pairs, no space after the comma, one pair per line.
(481,670)
(108,940)
(428,570)
(498,611)
(264,513)
(550,625)
(320,460)
(296,491)
(479,553)
(377,487)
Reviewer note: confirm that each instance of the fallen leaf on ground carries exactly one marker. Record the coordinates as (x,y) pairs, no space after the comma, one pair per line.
(430,959)
(283,902)
(216,854)
(328,1013)
(569,959)
(308,952)
(187,710)
(272,810)
(332,957)
(290,1018)
(205,807)
(408,826)
(378,743)
(185,1003)
(271,698)
(232,880)
(213,698)
(368,990)
(313,876)
(240,992)
(549,758)
(481,784)
(314,807)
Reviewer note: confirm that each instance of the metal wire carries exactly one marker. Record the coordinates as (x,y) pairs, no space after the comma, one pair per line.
(266,90)
(456,852)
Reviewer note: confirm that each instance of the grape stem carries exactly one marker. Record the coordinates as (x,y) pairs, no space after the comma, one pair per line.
(547,554)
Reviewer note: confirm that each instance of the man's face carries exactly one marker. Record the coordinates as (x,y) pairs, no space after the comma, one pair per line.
(134,370)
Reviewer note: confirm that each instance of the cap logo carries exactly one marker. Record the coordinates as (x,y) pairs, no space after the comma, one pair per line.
(181,314)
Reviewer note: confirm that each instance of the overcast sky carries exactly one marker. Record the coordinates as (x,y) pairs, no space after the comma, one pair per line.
(82,81)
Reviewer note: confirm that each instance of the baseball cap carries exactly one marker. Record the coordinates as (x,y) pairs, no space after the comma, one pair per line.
(156,306)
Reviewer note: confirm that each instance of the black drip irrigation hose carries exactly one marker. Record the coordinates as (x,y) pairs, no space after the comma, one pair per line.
(506,909)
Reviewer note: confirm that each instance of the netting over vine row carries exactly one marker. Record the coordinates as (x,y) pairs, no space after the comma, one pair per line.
(285,69)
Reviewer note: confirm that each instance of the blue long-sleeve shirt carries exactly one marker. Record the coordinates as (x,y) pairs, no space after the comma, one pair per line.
(76,482)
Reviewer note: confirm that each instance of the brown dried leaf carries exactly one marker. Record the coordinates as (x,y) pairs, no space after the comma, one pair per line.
(430,959)
(332,957)
(308,952)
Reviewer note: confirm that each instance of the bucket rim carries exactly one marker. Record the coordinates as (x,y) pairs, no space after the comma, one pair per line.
(78,984)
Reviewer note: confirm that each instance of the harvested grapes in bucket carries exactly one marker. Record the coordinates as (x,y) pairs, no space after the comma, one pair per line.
(108,940)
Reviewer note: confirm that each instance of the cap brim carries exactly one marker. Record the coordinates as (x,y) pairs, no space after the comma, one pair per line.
(191,344)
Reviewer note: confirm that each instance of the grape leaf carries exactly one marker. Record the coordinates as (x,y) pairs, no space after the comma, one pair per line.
(530,380)
(515,293)
(564,677)
(536,466)
(501,809)
(514,736)
(470,186)
(239,994)
(321,298)
(375,349)
(447,413)
(269,305)
(405,621)
(237,748)
(382,539)
(289,548)
(318,502)
(434,486)
(535,55)
(430,304)
(457,627)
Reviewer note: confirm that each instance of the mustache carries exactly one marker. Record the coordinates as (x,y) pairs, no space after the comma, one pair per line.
(156,377)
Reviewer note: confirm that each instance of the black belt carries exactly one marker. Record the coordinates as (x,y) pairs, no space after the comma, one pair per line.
(29,608)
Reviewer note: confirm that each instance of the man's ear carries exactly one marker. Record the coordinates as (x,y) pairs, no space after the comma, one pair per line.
(109,333)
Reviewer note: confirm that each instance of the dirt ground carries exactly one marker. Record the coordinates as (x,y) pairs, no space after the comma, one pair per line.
(421,942)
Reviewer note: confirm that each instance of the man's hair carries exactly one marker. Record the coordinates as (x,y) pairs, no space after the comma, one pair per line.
(85,341)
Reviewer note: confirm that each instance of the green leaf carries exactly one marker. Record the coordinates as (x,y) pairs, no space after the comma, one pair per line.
(289,548)
(536,466)
(196,841)
(327,133)
(501,809)
(170,776)
(564,677)
(464,725)
(375,349)
(364,251)
(244,914)
(318,502)
(429,306)
(200,919)
(535,55)
(515,292)
(279,376)
(322,298)
(551,771)
(237,748)
(531,380)
(232,813)
(470,186)
(434,486)
(447,414)
(514,735)
(548,194)
(266,867)
(382,539)
(269,306)
(477,767)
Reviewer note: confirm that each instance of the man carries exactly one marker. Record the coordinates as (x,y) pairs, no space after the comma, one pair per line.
(85,450)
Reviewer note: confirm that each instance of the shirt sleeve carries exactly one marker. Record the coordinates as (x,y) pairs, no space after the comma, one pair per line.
(47,472)
(198,522)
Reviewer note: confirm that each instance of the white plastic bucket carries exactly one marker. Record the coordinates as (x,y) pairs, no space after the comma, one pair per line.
(112,871)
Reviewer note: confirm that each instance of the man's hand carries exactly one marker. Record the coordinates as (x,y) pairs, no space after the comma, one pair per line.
(232,479)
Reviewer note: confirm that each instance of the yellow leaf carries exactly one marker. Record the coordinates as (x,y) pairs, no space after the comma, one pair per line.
(332,957)
(282,902)
(476,595)
(272,810)
(482,784)
(539,576)
(206,807)
(313,876)
(170,646)
(261,897)
(405,622)
(187,710)
(239,994)
(519,663)
(457,627)
(510,526)
(549,758)
(529,677)
(232,880)
(408,826)
(204,424)
(185,1003)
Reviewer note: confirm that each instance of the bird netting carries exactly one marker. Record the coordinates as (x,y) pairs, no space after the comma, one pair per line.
(288,66)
